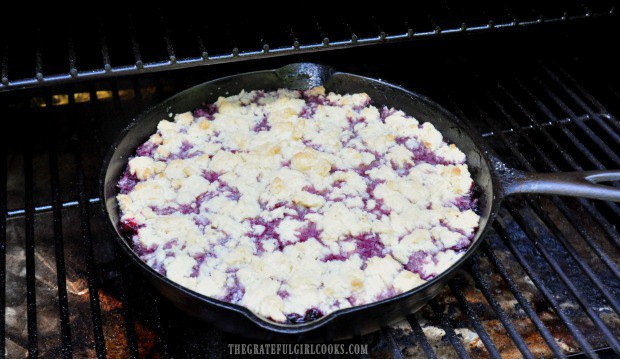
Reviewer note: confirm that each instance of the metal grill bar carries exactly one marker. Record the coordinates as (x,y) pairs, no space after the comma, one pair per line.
(105,52)
(39,64)
(159,323)
(47,208)
(611,339)
(518,295)
(589,240)
(595,138)
(169,48)
(30,274)
(419,336)
(135,47)
(611,119)
(544,332)
(128,315)
(532,315)
(396,354)
(3,199)
(570,325)
(4,75)
(580,262)
(577,294)
(73,71)
(447,327)
(126,280)
(582,118)
(584,106)
(202,48)
(549,258)
(614,207)
(525,226)
(61,273)
(473,318)
(170,61)
(501,314)
(609,229)
(565,130)
(93,285)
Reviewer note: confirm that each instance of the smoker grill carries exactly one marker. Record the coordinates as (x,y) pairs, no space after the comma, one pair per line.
(536,82)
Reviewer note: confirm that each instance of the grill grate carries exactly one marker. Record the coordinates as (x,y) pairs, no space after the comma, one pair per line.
(145,40)
(545,283)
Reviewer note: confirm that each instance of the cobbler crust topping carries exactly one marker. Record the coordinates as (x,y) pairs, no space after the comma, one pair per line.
(296,204)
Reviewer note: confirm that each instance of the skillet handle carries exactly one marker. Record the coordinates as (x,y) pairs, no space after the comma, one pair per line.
(574,184)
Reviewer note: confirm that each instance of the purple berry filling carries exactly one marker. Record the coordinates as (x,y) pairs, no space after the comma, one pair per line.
(146,149)
(367,245)
(263,125)
(335,257)
(417,264)
(127,182)
(130,226)
(309,232)
(207,111)
(311,314)
(184,152)
(421,153)
(211,176)
(386,112)
(141,250)
(235,292)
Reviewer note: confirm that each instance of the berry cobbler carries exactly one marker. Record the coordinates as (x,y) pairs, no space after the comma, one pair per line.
(295,204)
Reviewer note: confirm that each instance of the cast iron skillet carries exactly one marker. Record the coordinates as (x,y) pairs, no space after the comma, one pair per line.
(494,181)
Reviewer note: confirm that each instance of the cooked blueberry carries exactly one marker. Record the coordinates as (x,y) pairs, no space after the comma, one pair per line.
(312,314)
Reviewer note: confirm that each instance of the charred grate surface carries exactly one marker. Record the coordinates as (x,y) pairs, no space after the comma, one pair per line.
(545,284)
(61,47)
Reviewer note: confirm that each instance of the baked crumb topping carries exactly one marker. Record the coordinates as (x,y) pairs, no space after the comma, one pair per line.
(296,204)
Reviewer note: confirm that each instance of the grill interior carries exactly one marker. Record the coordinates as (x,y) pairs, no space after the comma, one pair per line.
(546,282)
(57,46)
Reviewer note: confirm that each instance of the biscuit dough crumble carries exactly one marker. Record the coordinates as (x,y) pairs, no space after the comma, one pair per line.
(295,204)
